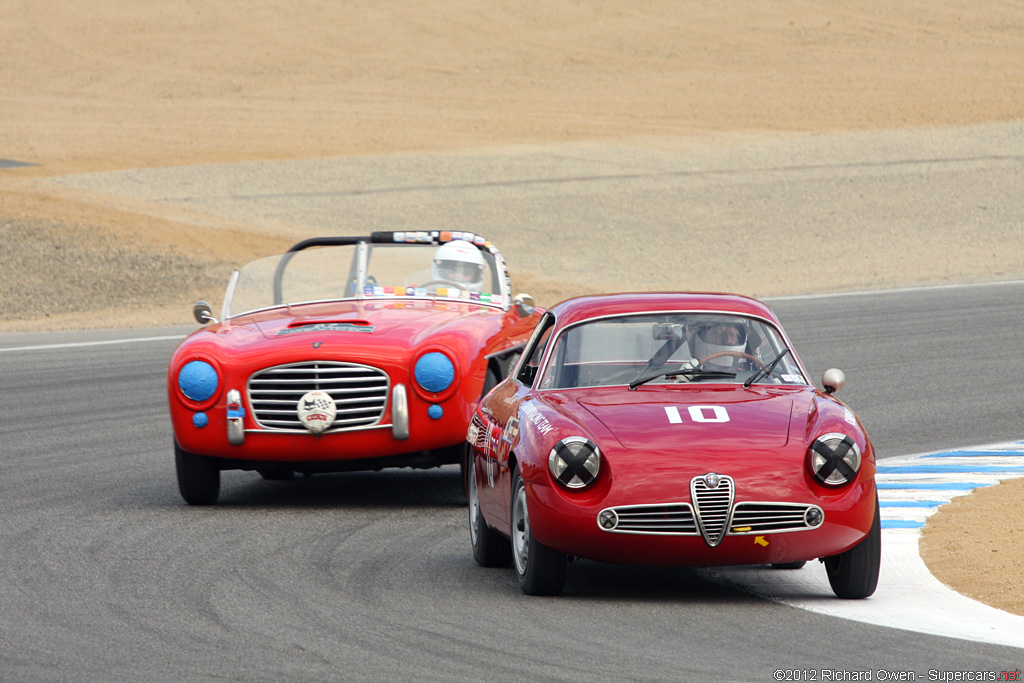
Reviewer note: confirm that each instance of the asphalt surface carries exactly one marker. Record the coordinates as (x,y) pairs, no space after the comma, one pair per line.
(106,575)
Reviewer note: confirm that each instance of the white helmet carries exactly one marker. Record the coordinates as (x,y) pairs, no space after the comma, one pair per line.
(716,336)
(460,263)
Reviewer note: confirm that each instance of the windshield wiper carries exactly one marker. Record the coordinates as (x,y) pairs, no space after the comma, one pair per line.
(693,372)
(766,370)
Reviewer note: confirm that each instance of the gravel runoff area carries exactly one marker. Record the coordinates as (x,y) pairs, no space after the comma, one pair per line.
(123,84)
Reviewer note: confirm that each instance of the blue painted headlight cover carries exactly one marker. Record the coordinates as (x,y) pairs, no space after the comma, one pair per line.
(434,372)
(198,380)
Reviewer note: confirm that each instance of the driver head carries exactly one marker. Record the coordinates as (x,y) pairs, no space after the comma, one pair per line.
(460,263)
(717,336)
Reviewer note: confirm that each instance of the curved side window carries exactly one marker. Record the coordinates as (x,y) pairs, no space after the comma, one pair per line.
(534,352)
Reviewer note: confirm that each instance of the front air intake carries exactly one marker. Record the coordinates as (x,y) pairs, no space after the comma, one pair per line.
(712,501)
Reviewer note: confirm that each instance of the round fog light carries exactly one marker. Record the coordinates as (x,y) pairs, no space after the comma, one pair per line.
(813,517)
(608,519)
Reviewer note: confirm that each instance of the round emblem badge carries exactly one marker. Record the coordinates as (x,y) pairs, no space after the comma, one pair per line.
(317,411)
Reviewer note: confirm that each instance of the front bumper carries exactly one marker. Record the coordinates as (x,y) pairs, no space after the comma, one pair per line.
(668,535)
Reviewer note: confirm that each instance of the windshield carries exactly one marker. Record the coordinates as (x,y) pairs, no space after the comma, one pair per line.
(673,348)
(364,271)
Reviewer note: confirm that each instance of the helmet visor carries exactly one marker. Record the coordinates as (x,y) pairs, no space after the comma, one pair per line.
(723,334)
(460,271)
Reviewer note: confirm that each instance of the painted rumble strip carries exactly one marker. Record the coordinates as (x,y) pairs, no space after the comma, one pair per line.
(910,489)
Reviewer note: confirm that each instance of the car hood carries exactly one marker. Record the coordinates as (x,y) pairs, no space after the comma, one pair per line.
(665,418)
(410,320)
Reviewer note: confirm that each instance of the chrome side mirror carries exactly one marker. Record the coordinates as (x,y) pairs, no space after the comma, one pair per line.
(833,380)
(202,312)
(524,304)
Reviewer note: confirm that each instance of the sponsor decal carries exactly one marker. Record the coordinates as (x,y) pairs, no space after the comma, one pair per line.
(537,418)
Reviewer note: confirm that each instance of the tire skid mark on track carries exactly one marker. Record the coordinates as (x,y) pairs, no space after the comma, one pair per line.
(910,489)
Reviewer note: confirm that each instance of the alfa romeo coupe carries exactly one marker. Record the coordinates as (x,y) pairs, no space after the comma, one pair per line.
(344,353)
(669,429)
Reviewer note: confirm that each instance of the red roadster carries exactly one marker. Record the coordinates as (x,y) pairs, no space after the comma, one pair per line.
(344,353)
(669,429)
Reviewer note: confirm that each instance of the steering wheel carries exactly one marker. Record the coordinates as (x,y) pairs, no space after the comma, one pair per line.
(737,354)
(442,282)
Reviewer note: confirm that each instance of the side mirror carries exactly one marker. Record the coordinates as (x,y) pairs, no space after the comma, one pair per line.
(524,304)
(833,380)
(202,312)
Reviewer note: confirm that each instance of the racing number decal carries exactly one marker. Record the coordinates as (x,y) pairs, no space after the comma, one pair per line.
(698,414)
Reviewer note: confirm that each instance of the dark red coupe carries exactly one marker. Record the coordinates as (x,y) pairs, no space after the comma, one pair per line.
(344,353)
(669,429)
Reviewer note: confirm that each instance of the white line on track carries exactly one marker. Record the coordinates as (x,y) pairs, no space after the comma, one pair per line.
(76,345)
(911,488)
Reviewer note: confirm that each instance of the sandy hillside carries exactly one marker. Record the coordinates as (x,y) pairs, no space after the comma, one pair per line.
(120,84)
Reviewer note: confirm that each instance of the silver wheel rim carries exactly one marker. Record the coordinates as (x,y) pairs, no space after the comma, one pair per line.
(520,530)
(474,504)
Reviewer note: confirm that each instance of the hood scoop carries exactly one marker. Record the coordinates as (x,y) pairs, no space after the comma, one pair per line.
(327,326)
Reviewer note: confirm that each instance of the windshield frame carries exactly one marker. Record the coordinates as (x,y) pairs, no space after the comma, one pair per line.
(363,245)
(553,343)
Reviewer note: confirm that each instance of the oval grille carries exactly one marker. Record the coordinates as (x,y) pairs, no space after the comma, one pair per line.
(759,518)
(670,518)
(713,506)
(360,393)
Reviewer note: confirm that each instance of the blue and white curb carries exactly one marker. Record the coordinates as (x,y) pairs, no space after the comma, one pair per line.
(910,489)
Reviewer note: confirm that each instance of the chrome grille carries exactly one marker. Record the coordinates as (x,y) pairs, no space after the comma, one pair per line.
(360,393)
(713,506)
(669,518)
(759,518)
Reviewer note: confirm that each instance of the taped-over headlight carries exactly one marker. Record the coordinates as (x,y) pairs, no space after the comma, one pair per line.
(574,462)
(834,459)
(434,372)
(198,380)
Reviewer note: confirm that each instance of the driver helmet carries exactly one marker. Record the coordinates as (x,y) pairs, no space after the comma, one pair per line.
(715,336)
(460,263)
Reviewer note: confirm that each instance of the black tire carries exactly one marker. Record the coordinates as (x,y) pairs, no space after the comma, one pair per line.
(490,549)
(491,380)
(198,477)
(853,574)
(540,570)
(789,565)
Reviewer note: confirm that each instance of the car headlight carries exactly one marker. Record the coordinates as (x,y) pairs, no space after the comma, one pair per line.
(834,459)
(198,381)
(574,462)
(434,372)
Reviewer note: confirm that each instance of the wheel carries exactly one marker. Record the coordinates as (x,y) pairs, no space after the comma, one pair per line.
(540,570)
(198,477)
(854,574)
(489,548)
(789,565)
(491,380)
